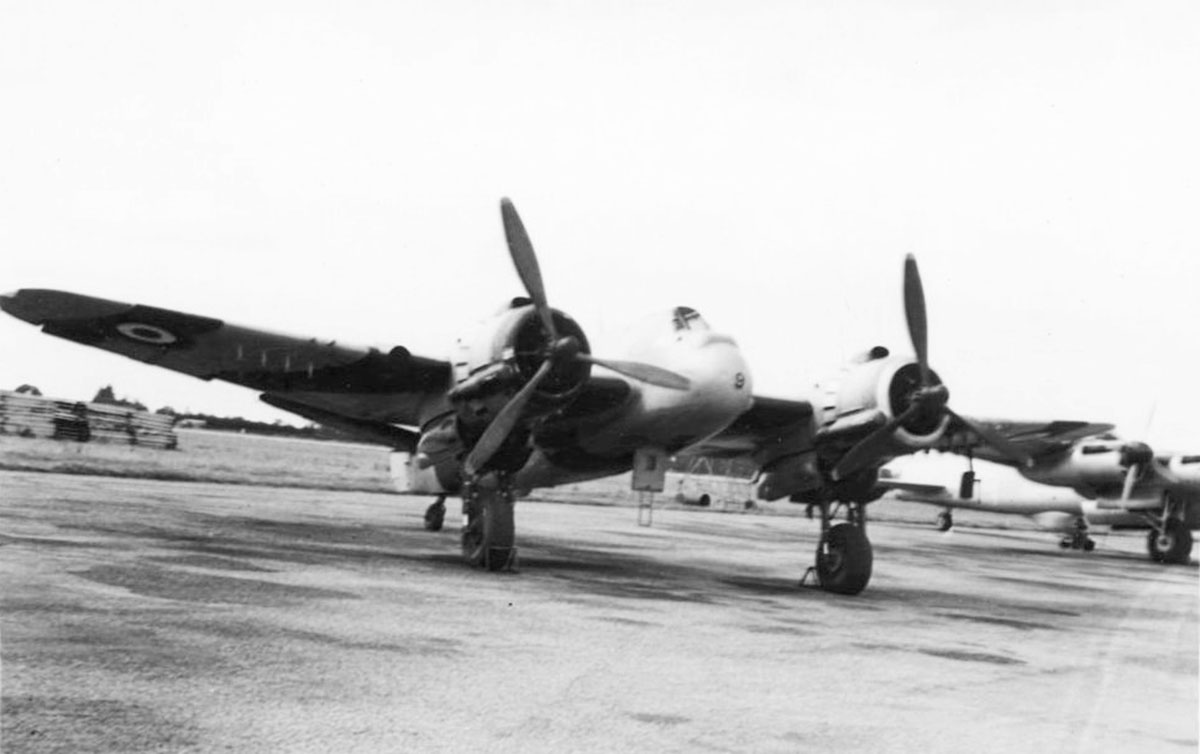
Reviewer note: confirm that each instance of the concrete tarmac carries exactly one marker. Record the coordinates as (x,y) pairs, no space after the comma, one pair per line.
(164,616)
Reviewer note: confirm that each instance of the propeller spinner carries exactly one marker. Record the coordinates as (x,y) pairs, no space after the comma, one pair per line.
(927,397)
(556,350)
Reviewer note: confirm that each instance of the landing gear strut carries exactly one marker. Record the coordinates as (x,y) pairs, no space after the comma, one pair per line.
(1078,539)
(1170,541)
(844,556)
(488,530)
(435,514)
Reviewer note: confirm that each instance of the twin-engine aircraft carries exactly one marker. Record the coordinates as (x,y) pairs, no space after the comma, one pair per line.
(524,403)
(1072,479)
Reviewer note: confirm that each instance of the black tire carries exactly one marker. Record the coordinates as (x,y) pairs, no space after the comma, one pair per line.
(487,540)
(435,516)
(1174,545)
(1089,544)
(945,521)
(844,560)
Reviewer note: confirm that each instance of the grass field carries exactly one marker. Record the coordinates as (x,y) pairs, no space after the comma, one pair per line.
(223,457)
(206,456)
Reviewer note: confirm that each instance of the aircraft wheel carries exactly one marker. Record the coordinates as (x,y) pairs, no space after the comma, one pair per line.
(1065,543)
(1089,544)
(844,560)
(435,515)
(487,538)
(945,521)
(1172,545)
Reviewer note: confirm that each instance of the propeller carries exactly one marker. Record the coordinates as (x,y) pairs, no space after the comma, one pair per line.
(927,397)
(520,248)
(914,314)
(506,420)
(556,351)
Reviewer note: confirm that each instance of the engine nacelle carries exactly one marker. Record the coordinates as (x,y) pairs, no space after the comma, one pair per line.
(876,388)
(504,354)
(1186,468)
(489,369)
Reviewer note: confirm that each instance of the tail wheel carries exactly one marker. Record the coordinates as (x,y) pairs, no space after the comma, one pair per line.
(945,521)
(489,533)
(435,515)
(1171,545)
(844,559)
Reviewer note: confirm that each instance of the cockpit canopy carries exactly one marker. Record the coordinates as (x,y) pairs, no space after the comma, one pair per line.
(687,318)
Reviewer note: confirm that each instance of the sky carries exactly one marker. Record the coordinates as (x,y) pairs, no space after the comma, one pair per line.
(335,169)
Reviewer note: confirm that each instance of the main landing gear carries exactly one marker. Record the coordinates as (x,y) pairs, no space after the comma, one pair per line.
(1078,539)
(844,555)
(488,530)
(1170,540)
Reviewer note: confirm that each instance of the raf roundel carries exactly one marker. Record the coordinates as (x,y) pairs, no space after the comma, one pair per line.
(146,333)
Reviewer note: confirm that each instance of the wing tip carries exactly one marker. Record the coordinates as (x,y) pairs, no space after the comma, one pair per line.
(10,302)
(40,305)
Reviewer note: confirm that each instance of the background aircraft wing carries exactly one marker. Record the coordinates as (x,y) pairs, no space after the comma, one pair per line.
(1036,438)
(920,488)
(364,389)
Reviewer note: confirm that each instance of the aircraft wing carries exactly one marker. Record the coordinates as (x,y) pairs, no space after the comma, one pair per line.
(1037,438)
(770,421)
(360,388)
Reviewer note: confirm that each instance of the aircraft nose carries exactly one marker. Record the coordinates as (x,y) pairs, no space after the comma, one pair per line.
(722,372)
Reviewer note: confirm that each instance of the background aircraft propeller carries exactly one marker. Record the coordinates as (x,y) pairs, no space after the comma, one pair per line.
(1135,457)
(556,351)
(927,396)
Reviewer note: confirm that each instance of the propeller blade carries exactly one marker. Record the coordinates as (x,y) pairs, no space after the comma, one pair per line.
(520,248)
(1131,477)
(1006,447)
(1138,457)
(870,447)
(502,426)
(914,312)
(647,373)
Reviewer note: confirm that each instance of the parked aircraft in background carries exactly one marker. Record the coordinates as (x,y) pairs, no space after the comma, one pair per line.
(524,403)
(1092,481)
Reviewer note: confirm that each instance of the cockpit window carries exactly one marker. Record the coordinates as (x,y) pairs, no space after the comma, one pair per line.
(1093,449)
(1190,459)
(686,318)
